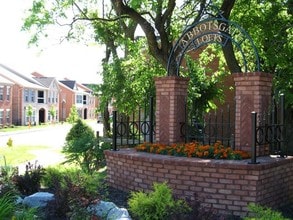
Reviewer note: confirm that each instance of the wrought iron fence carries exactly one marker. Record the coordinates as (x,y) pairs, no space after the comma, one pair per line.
(130,130)
(216,126)
(269,131)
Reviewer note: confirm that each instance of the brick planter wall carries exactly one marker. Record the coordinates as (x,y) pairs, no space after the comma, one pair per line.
(223,186)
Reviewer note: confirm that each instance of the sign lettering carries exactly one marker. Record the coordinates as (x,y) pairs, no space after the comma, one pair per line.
(217,30)
(206,32)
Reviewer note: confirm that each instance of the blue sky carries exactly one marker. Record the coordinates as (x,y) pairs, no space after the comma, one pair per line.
(71,60)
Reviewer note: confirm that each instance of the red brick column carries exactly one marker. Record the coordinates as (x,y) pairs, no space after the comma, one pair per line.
(253,93)
(171,92)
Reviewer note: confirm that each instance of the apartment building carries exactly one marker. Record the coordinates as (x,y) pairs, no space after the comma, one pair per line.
(51,99)
(73,93)
(29,102)
(5,101)
(40,99)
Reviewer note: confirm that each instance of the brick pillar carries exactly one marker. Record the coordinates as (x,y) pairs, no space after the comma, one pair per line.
(171,92)
(253,93)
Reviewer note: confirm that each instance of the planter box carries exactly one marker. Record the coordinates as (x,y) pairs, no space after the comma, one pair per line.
(222,186)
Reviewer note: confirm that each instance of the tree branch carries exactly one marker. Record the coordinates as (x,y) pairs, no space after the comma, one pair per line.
(123,9)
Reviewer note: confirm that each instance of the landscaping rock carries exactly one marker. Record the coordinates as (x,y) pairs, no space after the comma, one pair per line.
(109,211)
(19,200)
(118,213)
(39,199)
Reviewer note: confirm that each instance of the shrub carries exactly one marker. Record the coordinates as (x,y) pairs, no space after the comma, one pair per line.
(7,174)
(73,115)
(73,190)
(9,209)
(194,149)
(7,205)
(158,204)
(83,148)
(30,182)
(26,213)
(52,175)
(263,213)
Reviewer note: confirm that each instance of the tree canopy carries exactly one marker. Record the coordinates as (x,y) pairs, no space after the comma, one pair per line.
(114,23)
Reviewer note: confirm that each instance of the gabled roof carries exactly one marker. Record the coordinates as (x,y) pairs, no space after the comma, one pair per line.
(45,81)
(84,88)
(5,81)
(75,87)
(19,78)
(69,83)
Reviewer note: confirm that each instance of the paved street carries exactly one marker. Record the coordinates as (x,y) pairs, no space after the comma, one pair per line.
(52,136)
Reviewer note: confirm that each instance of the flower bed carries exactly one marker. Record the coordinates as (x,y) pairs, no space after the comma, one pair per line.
(194,149)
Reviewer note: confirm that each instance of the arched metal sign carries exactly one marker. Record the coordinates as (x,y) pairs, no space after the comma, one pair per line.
(216,30)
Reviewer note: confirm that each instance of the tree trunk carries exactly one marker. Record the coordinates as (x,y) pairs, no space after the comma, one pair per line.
(106,122)
(228,51)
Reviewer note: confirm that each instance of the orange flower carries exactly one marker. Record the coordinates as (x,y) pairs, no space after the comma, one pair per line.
(199,154)
(194,149)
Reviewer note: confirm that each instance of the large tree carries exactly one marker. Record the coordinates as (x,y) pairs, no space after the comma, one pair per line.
(161,21)
(114,23)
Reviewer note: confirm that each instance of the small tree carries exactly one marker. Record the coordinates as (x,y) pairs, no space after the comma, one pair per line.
(29,113)
(73,115)
(83,149)
(52,112)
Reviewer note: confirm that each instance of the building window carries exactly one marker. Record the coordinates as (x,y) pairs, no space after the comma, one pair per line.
(41,97)
(1,92)
(8,91)
(79,99)
(56,97)
(50,97)
(8,116)
(57,115)
(1,116)
(32,96)
(84,100)
(26,95)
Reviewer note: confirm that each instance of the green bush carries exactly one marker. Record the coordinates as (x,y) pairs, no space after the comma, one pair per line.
(26,213)
(156,205)
(83,148)
(7,174)
(73,115)
(7,205)
(52,175)
(73,190)
(263,213)
(30,182)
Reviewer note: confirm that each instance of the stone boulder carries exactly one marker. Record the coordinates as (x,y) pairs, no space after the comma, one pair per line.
(109,211)
(39,199)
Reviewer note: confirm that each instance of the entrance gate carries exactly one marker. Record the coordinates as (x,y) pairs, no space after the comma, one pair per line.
(216,30)
(252,87)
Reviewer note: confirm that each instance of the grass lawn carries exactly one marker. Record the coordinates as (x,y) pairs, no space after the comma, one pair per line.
(19,128)
(19,154)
